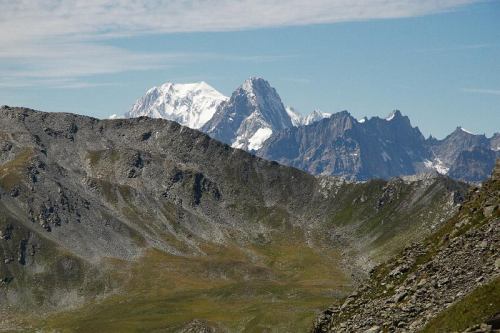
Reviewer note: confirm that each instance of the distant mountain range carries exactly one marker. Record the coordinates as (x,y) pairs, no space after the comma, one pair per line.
(380,148)
(255,119)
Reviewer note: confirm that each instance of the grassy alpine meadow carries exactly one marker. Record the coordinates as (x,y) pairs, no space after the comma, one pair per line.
(274,288)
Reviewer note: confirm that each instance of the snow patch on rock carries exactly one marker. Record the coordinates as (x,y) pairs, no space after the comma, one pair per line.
(466,131)
(258,139)
(437,165)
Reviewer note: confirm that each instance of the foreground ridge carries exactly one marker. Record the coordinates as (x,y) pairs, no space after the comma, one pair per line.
(173,229)
(449,282)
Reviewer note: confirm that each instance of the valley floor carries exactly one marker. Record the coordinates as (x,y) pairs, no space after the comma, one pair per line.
(278,287)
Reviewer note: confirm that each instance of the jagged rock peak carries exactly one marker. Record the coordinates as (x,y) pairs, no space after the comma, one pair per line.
(343,118)
(462,131)
(261,94)
(343,113)
(394,115)
(255,83)
(250,116)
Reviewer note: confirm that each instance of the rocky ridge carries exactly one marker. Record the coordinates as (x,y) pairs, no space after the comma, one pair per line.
(380,148)
(449,282)
(342,146)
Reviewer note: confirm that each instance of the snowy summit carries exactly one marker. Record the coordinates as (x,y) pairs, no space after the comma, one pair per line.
(190,104)
(249,118)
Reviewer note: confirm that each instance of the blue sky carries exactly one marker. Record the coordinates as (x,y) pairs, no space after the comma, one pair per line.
(436,61)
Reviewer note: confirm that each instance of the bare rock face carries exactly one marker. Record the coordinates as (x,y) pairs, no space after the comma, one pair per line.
(342,146)
(473,165)
(380,148)
(467,156)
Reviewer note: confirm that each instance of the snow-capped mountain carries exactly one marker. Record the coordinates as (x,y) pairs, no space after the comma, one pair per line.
(255,119)
(300,120)
(191,104)
(246,121)
(251,115)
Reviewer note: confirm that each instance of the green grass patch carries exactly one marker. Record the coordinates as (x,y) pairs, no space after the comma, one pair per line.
(96,156)
(11,173)
(475,308)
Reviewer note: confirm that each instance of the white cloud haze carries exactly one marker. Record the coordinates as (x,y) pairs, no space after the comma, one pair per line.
(53,41)
(482,91)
